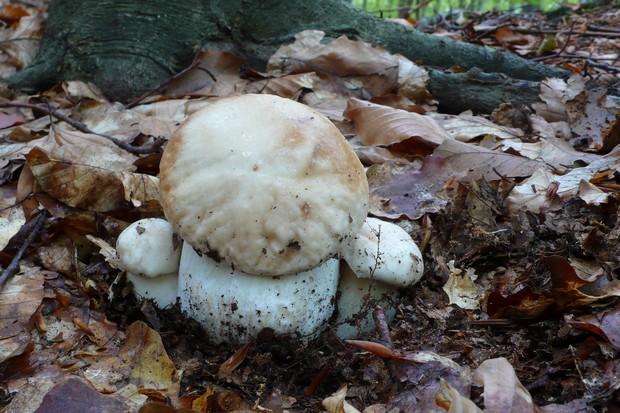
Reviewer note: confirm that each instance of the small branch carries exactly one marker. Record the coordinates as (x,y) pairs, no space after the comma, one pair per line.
(14,265)
(381,325)
(570,33)
(80,126)
(611,34)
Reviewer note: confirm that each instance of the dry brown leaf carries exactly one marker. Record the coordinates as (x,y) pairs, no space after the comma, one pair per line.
(19,42)
(19,300)
(461,289)
(336,403)
(75,146)
(532,194)
(503,392)
(11,216)
(380,72)
(90,187)
(467,127)
(73,394)
(604,323)
(235,360)
(288,86)
(554,93)
(589,115)
(77,185)
(217,74)
(451,400)
(398,190)
(475,162)
(383,125)
(141,360)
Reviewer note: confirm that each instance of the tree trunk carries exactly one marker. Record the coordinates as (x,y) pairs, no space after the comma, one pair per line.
(128,46)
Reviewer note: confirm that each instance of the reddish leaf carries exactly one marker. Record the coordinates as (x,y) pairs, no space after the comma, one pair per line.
(235,360)
(605,324)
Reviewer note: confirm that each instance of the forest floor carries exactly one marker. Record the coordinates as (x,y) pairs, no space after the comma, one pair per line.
(516,213)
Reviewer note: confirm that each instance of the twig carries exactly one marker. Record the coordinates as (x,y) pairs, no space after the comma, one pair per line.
(570,33)
(79,126)
(165,83)
(14,265)
(381,325)
(576,32)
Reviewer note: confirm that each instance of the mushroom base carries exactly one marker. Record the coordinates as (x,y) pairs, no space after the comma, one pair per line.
(162,289)
(234,307)
(357,299)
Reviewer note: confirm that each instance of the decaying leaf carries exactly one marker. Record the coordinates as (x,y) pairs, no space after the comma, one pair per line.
(235,360)
(404,190)
(451,400)
(19,300)
(336,403)
(141,360)
(567,292)
(383,125)
(215,73)
(11,215)
(603,323)
(503,392)
(475,162)
(379,71)
(532,194)
(467,127)
(461,289)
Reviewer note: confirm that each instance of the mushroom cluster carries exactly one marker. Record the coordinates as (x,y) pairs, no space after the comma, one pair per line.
(266,195)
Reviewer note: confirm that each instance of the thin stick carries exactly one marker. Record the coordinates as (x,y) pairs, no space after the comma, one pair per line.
(79,126)
(14,265)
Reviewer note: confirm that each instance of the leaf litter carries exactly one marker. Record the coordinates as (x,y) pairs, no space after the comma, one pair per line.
(516,213)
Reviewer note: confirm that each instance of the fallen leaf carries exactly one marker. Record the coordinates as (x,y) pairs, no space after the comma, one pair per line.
(141,360)
(461,289)
(603,323)
(336,403)
(503,392)
(404,190)
(383,125)
(475,162)
(451,400)
(11,215)
(73,394)
(19,300)
(235,360)
(216,73)
(467,127)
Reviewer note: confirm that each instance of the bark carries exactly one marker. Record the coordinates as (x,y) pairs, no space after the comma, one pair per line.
(128,46)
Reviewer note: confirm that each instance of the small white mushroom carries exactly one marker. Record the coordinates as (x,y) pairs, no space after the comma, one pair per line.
(382,258)
(149,252)
(264,187)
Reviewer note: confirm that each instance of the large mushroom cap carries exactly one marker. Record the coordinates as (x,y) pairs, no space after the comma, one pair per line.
(264,184)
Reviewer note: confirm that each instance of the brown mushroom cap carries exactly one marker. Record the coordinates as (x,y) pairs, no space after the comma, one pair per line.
(264,184)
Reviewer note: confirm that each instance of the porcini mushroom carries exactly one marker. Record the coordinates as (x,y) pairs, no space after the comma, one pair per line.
(149,253)
(266,190)
(381,258)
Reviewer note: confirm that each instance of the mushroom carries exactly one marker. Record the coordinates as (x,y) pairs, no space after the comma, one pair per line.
(381,258)
(264,191)
(149,252)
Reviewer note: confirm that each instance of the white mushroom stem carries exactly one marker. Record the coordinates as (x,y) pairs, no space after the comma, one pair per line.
(357,298)
(382,258)
(149,252)
(234,307)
